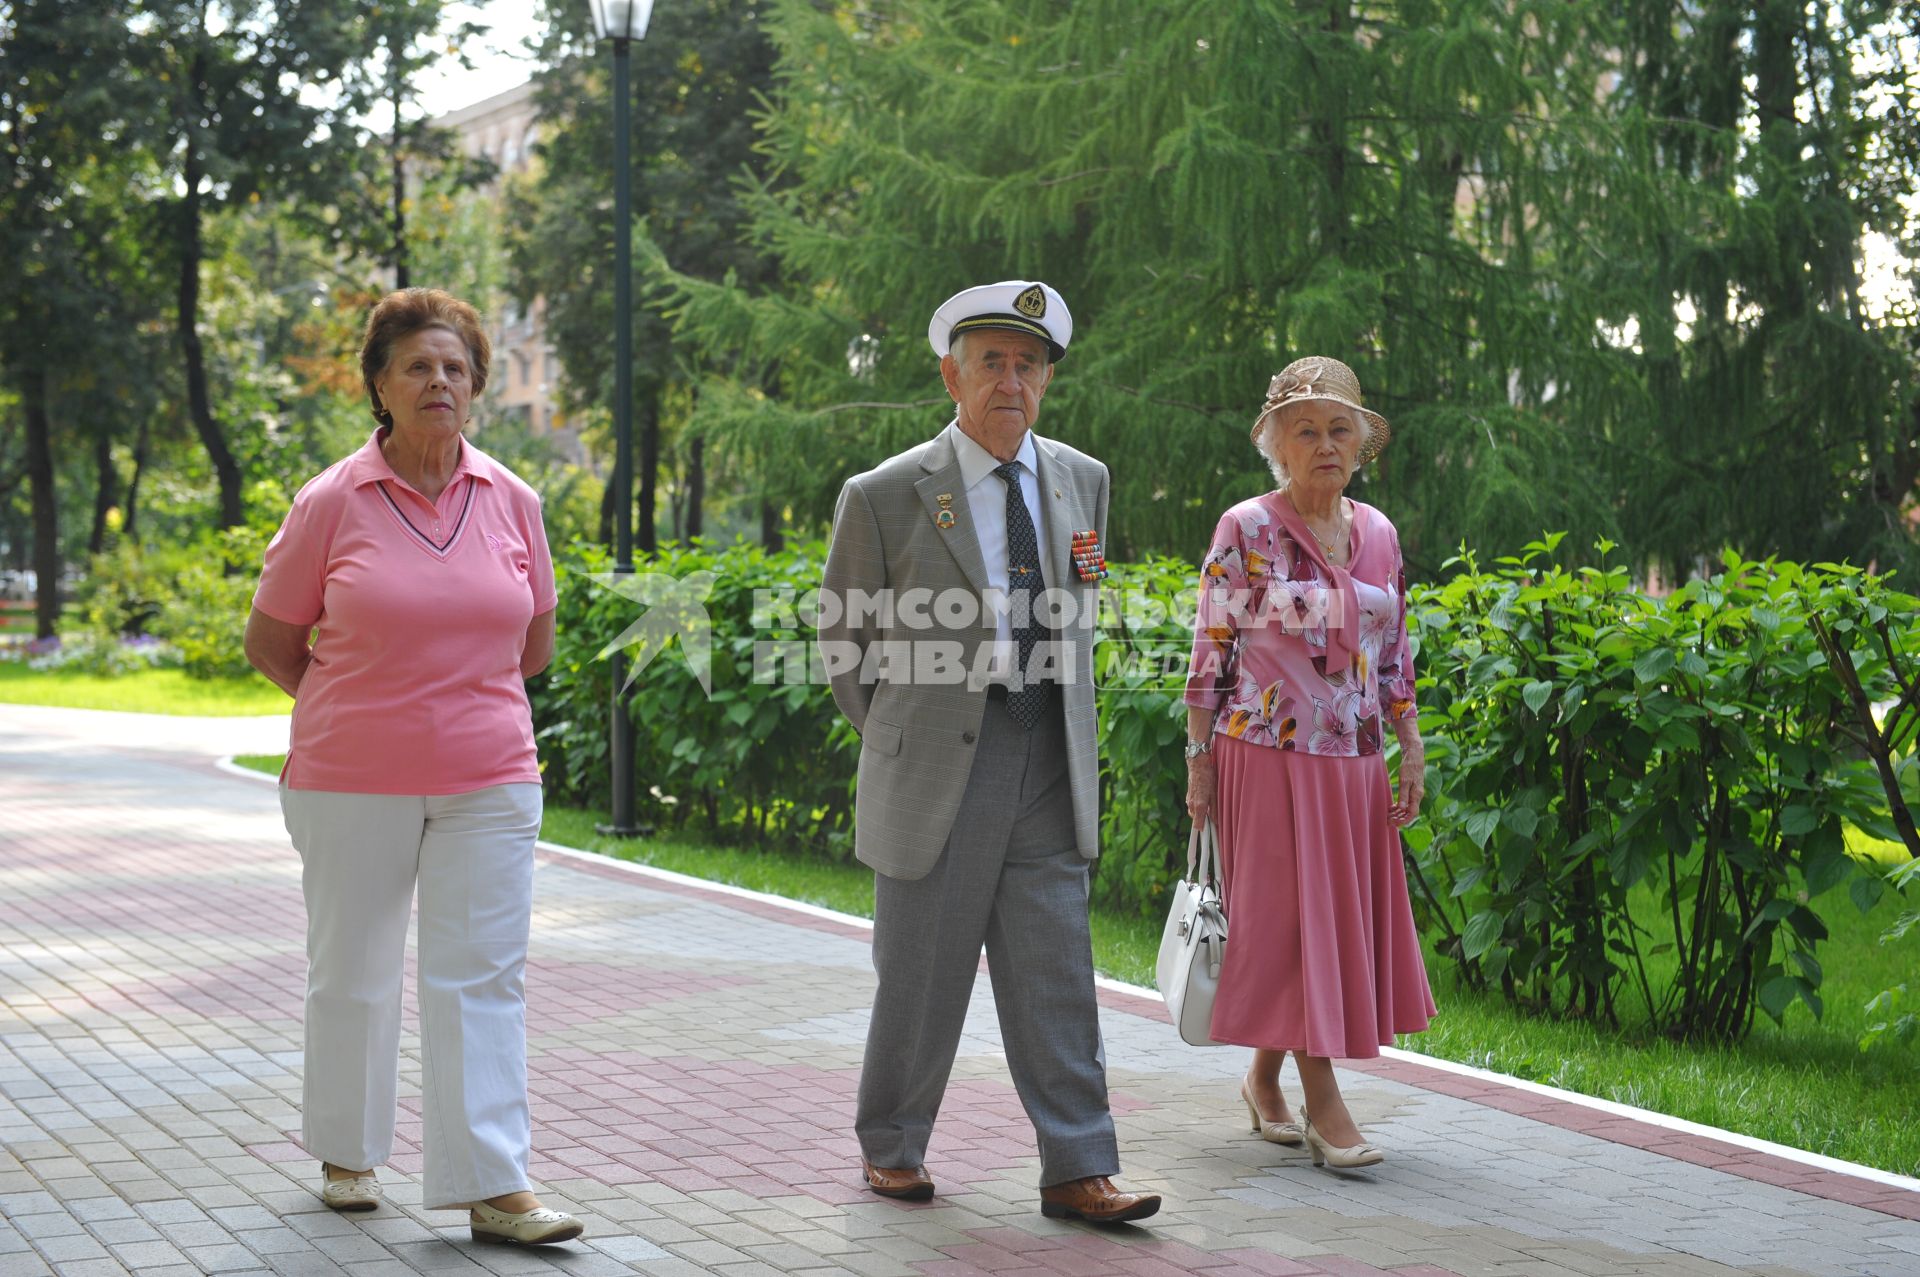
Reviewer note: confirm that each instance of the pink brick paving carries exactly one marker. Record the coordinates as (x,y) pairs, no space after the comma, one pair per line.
(692,1067)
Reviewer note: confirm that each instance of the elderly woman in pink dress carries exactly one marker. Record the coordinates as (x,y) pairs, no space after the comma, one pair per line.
(1300,655)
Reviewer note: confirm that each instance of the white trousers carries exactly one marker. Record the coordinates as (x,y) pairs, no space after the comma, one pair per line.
(472,856)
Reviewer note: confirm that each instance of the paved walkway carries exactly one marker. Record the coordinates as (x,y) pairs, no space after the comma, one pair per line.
(693,1061)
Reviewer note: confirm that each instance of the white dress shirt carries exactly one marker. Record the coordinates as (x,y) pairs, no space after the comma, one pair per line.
(987,503)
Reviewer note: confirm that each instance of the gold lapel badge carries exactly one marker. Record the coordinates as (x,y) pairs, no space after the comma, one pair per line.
(944,519)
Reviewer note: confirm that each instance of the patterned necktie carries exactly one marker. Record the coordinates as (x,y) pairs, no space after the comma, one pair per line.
(1023,587)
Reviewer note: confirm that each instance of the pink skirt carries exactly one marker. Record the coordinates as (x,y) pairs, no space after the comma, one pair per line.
(1321,952)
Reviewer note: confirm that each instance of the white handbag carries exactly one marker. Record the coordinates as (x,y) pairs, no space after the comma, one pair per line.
(1194,945)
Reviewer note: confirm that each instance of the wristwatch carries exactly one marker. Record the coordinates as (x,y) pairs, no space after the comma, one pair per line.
(1195,748)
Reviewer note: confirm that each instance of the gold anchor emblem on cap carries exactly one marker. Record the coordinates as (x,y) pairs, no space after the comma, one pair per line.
(944,518)
(1032,303)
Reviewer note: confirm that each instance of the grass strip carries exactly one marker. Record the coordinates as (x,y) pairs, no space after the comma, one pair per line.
(155,691)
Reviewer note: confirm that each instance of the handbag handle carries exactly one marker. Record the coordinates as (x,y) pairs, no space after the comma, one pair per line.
(1203,853)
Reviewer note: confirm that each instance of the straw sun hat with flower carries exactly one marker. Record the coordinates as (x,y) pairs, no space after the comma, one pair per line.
(1324,377)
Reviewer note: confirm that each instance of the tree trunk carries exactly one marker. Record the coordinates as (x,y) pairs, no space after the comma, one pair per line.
(771,537)
(105,489)
(696,486)
(140,442)
(1776,104)
(46,513)
(605,536)
(644,541)
(187,241)
(400,274)
(1331,134)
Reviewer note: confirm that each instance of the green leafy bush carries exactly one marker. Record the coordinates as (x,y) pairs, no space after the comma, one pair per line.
(126,587)
(193,598)
(1140,661)
(1629,798)
(1642,794)
(759,761)
(204,614)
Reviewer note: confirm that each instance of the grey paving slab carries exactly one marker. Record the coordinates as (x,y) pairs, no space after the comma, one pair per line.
(693,1057)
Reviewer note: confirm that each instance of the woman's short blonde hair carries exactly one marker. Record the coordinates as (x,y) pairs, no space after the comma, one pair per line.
(400,315)
(1281,416)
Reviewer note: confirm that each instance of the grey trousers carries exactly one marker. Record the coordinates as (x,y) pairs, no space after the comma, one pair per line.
(1011,878)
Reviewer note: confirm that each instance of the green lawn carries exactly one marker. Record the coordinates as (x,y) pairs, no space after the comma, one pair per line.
(145,692)
(847,888)
(1804,1084)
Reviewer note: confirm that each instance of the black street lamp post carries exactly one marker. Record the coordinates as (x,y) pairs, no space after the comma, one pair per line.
(623,22)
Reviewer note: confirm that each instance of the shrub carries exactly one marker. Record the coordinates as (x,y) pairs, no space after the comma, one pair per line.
(1140,663)
(1628,797)
(1593,751)
(755,761)
(193,598)
(125,588)
(204,614)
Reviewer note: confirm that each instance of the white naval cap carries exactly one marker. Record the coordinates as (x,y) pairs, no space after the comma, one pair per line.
(1019,305)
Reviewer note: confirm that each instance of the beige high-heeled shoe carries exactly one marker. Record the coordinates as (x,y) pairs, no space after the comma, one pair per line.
(1288,1133)
(1349,1158)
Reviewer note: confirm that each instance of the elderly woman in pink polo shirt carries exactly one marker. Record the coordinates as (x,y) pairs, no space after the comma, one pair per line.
(403,603)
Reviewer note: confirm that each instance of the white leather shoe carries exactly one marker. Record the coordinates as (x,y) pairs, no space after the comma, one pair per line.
(360,1192)
(538,1227)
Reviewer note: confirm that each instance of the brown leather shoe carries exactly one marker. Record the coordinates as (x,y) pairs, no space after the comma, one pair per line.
(1097,1201)
(909,1184)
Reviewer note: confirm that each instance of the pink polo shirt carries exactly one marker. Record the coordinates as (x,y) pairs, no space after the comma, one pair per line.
(422,610)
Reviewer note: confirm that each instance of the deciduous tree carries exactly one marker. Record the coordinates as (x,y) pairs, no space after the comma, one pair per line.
(256,101)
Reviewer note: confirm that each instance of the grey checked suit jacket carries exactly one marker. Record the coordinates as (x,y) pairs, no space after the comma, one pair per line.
(917,740)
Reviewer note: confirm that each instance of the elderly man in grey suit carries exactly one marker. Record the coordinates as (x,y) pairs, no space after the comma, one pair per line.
(966,572)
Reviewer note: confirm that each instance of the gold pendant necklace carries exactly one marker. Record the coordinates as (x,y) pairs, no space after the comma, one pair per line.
(1326,546)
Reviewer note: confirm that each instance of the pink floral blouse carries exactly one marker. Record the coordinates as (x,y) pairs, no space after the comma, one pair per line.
(1260,638)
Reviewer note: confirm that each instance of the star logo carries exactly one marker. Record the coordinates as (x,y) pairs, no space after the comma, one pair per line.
(676,607)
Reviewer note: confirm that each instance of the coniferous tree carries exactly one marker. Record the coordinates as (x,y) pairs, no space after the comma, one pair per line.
(1216,190)
(1489,210)
(1783,419)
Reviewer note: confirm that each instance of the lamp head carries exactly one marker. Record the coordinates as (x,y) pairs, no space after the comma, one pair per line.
(621,19)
